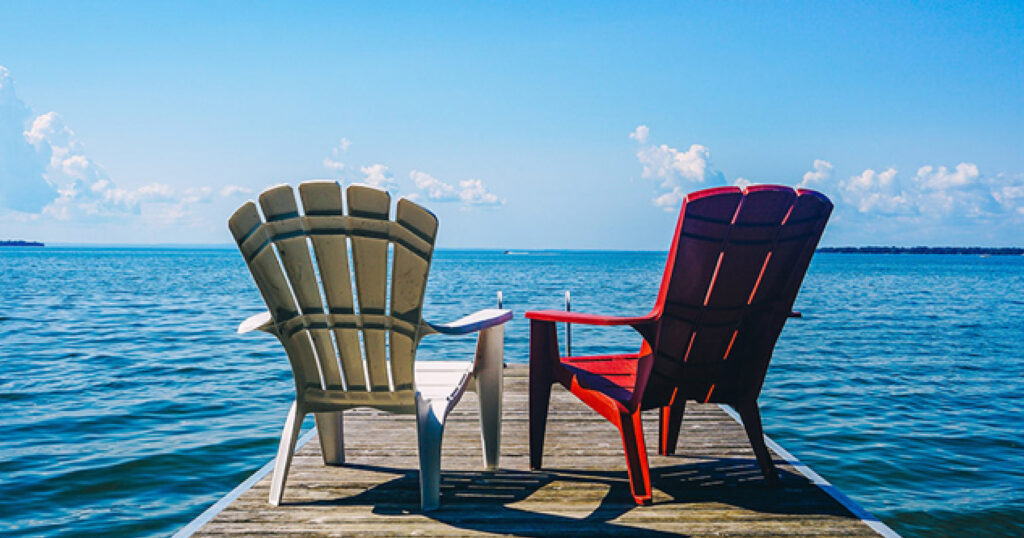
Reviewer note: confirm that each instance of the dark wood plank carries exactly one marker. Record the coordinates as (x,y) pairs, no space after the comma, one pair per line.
(712,486)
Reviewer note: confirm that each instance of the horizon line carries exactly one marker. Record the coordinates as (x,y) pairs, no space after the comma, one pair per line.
(227,245)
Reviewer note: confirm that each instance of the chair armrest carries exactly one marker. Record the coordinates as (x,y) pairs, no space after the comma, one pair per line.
(587,319)
(259,322)
(474,322)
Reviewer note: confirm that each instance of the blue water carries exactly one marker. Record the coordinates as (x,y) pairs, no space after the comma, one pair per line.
(129,404)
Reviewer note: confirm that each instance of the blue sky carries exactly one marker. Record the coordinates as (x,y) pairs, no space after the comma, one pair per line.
(545,125)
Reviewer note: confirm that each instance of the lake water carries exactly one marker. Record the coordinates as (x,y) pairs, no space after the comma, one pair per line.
(129,404)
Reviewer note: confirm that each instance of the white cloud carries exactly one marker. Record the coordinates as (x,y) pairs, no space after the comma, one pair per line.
(1008,192)
(936,204)
(742,182)
(334,161)
(45,172)
(670,200)
(156,192)
(433,188)
(469,192)
(332,164)
(940,178)
(197,195)
(232,190)
(876,192)
(671,164)
(640,134)
(473,192)
(377,175)
(822,172)
(934,196)
(679,171)
(84,188)
(23,183)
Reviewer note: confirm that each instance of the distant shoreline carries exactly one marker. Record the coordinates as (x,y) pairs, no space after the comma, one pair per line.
(974,251)
(18,243)
(970,251)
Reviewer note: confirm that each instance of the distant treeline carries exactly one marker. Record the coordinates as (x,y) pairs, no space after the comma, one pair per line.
(20,244)
(1001,251)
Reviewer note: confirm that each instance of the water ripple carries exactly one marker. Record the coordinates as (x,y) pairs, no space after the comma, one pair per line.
(130,404)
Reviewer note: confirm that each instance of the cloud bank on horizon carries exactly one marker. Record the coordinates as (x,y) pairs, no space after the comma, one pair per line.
(935,198)
(45,173)
(46,176)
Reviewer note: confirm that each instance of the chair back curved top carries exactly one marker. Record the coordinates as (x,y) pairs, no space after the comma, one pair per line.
(735,265)
(346,349)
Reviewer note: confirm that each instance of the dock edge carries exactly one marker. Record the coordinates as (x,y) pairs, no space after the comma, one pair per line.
(220,505)
(857,510)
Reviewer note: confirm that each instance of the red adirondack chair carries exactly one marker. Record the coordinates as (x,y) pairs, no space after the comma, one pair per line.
(733,272)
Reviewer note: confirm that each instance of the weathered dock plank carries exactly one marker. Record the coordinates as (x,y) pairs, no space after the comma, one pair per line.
(711,487)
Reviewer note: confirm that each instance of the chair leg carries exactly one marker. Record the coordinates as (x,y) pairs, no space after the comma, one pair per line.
(429,430)
(751,417)
(489,383)
(543,351)
(631,427)
(331,430)
(671,419)
(284,452)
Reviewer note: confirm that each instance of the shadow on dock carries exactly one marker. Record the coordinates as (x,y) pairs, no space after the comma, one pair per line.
(485,501)
(712,486)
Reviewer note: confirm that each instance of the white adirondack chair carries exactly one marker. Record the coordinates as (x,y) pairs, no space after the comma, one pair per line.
(357,350)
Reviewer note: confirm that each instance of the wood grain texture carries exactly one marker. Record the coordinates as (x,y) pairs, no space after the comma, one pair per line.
(712,486)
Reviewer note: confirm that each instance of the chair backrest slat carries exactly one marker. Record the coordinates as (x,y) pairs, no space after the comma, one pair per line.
(282,214)
(281,211)
(733,273)
(302,264)
(783,275)
(370,260)
(414,228)
(696,251)
(744,251)
(796,243)
(322,204)
(255,242)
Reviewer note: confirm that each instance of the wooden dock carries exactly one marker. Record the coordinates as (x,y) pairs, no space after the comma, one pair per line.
(711,487)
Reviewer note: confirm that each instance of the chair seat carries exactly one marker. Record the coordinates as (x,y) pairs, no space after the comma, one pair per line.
(611,375)
(440,380)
